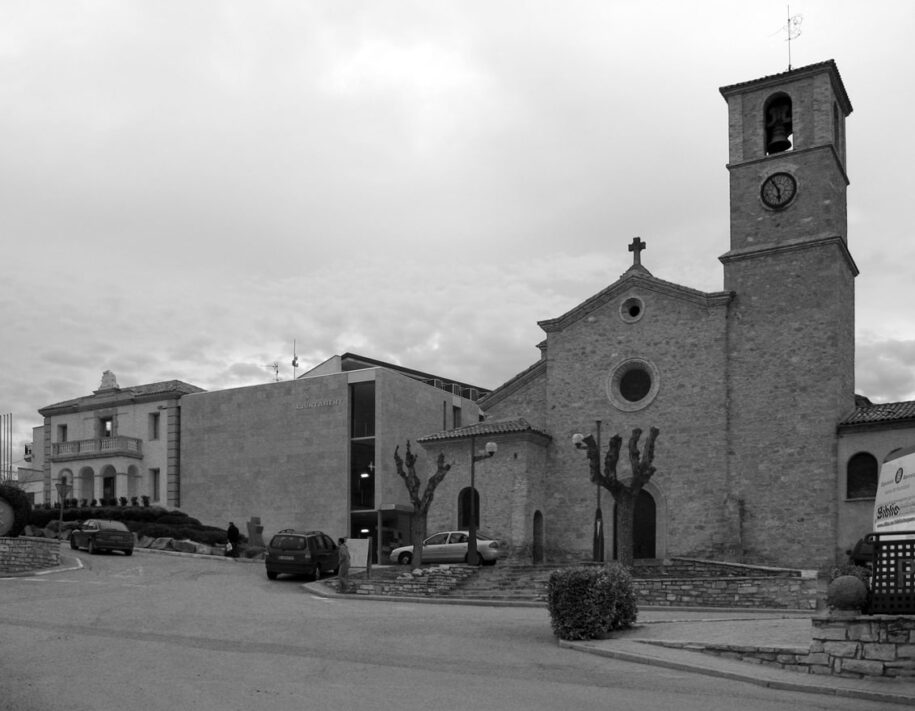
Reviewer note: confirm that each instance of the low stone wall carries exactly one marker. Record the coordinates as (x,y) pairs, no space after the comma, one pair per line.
(419,582)
(22,554)
(864,645)
(780,592)
(854,646)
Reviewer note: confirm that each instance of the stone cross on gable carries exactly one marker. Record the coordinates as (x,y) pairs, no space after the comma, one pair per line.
(636,248)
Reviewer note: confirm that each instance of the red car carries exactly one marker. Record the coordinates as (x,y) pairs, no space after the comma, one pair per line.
(96,535)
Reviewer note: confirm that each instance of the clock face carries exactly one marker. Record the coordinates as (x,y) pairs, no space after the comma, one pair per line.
(778,190)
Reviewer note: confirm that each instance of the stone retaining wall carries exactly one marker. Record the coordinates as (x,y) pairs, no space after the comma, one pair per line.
(864,645)
(419,582)
(854,646)
(792,593)
(25,553)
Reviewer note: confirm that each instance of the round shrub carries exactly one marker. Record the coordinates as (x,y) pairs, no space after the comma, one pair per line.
(846,592)
(22,508)
(863,574)
(587,602)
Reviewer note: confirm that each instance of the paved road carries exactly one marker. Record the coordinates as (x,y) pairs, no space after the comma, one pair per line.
(164,632)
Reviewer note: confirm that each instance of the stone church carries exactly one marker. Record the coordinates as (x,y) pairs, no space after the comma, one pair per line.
(752,387)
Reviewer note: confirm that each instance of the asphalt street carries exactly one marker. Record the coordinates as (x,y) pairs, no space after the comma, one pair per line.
(166,632)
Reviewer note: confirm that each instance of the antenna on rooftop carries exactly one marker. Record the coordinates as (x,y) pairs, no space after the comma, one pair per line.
(276,370)
(793,30)
(295,360)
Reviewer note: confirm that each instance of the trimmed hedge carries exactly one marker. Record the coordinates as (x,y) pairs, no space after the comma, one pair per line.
(150,521)
(22,508)
(587,602)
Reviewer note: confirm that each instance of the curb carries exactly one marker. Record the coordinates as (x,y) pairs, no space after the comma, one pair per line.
(318,589)
(803,684)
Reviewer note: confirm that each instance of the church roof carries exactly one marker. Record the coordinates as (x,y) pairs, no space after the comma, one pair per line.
(638,276)
(867,413)
(513,384)
(516,425)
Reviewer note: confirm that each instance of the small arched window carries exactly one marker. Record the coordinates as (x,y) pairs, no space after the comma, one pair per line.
(464,504)
(779,124)
(861,476)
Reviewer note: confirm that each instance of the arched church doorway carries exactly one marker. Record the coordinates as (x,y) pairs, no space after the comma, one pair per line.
(537,552)
(644,527)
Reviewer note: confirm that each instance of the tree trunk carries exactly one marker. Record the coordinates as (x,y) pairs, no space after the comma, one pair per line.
(625,518)
(418,534)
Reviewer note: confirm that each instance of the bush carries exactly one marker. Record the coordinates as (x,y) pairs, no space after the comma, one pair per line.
(587,602)
(176,518)
(22,508)
(863,574)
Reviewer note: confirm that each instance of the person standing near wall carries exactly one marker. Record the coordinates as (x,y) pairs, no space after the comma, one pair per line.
(232,537)
(343,569)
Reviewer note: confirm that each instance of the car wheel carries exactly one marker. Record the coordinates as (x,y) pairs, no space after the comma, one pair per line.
(128,552)
(92,549)
(271,575)
(405,558)
(73,543)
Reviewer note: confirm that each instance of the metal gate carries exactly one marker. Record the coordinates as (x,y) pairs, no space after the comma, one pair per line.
(893,575)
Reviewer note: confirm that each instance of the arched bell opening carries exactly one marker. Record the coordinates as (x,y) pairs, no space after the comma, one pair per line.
(779,124)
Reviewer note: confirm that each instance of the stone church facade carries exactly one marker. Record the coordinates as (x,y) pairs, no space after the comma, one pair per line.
(749,386)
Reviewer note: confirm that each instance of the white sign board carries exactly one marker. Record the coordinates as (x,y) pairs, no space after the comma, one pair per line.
(358,552)
(894,507)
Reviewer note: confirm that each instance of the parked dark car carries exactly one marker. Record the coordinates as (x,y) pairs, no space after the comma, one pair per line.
(310,553)
(96,535)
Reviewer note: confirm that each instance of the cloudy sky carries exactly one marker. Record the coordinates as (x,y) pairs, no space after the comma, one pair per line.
(188,187)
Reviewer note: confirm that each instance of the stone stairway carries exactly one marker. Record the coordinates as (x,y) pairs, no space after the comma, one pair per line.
(506,582)
(670,583)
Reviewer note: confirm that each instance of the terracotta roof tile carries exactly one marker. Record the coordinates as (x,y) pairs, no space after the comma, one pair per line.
(494,427)
(867,414)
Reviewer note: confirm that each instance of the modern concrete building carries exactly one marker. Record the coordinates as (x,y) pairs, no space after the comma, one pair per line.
(316,452)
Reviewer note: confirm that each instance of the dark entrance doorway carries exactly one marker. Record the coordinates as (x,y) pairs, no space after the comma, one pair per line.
(643,529)
(537,553)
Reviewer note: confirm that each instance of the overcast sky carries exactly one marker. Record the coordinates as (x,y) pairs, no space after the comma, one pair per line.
(188,187)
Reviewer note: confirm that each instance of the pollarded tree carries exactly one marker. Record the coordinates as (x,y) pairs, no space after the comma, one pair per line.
(406,468)
(624,494)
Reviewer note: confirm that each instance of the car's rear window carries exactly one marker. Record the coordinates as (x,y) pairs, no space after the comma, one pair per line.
(112,526)
(288,543)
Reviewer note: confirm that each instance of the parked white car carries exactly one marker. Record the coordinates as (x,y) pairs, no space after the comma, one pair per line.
(449,547)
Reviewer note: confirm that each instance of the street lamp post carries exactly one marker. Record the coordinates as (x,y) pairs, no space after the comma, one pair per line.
(598,541)
(473,557)
(63,488)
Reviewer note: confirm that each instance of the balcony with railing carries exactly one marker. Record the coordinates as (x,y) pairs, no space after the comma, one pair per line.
(98,448)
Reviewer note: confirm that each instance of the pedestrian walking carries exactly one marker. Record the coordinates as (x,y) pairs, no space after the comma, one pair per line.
(232,537)
(343,569)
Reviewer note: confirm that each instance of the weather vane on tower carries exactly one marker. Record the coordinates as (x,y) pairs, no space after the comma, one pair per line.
(793,30)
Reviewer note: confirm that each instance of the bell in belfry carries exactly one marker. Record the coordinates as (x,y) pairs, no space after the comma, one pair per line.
(778,125)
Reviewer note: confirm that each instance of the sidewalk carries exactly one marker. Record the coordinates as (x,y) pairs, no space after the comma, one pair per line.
(684,633)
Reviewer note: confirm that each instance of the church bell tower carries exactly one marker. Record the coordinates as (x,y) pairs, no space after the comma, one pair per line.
(790,334)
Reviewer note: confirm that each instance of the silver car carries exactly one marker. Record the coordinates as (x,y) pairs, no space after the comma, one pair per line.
(449,547)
